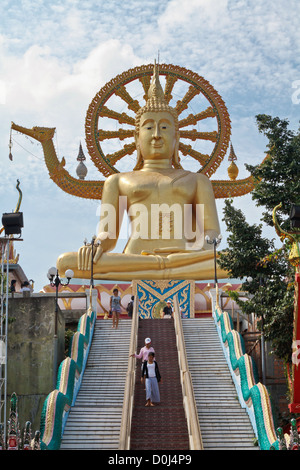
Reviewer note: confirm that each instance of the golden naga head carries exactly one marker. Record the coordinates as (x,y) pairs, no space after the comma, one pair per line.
(156,103)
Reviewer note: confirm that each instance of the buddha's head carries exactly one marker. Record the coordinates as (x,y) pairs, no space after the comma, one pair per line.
(156,131)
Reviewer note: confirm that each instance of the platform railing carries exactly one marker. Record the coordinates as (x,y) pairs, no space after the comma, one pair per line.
(189,402)
(124,443)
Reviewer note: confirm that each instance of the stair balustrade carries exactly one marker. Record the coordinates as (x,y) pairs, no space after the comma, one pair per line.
(129,385)
(186,383)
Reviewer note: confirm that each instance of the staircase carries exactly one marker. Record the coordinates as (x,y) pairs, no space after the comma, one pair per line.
(94,421)
(224,424)
(164,426)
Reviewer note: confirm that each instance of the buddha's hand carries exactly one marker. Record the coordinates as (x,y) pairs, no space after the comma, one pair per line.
(85,256)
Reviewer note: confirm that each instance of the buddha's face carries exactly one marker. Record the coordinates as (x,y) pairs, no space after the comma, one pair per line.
(157,135)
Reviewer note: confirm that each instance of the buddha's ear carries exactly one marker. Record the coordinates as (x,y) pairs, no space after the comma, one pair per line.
(139,159)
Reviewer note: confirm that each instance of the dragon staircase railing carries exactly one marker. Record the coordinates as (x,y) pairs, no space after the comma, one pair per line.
(57,404)
(252,394)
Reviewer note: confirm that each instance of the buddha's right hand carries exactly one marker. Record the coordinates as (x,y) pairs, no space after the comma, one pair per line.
(85,256)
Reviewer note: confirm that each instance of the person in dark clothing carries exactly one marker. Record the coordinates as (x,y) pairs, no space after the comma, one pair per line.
(151,374)
(168,312)
(13,286)
(130,307)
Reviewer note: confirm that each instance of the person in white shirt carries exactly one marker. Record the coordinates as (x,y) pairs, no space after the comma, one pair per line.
(151,373)
(144,351)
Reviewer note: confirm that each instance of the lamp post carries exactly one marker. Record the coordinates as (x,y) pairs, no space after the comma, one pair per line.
(92,244)
(263,361)
(262,337)
(55,281)
(215,242)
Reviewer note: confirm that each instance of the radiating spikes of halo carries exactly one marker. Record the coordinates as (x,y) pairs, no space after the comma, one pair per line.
(216,110)
(194,135)
(181,105)
(192,119)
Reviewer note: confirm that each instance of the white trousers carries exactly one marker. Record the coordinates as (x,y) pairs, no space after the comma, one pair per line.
(152,390)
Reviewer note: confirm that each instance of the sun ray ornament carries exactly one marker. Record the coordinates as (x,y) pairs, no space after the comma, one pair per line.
(112,122)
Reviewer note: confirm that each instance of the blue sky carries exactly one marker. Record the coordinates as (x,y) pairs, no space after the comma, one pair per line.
(56,55)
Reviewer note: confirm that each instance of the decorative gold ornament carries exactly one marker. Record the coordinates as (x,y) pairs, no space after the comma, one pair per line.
(159,100)
(162,136)
(124,128)
(232,170)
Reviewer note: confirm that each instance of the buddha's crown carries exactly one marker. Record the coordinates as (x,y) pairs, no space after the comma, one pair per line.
(156,99)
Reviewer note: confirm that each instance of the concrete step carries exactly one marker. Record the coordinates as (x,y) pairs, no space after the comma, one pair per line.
(224,424)
(94,421)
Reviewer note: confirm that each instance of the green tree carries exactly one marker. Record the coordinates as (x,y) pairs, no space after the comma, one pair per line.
(271,291)
(278,178)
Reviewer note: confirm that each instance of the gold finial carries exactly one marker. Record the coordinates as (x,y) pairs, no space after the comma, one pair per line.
(155,91)
(232,170)
(156,101)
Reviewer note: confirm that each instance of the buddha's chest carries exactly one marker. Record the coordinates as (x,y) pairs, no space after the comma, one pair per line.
(156,188)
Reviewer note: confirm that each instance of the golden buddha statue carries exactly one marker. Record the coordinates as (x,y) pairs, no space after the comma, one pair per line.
(171,210)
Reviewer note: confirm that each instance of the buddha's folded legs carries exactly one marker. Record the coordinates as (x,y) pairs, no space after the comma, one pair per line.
(195,265)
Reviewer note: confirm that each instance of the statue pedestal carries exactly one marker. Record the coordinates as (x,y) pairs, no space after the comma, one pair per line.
(153,295)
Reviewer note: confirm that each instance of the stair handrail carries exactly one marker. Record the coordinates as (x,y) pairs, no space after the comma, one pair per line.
(58,402)
(189,401)
(124,442)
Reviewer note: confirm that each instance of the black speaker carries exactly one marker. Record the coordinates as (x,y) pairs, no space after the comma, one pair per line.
(12,223)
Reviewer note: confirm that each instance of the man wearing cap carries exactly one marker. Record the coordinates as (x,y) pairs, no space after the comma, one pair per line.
(144,352)
(167,312)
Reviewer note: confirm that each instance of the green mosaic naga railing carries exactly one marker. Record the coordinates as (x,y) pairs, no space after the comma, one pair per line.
(252,394)
(58,402)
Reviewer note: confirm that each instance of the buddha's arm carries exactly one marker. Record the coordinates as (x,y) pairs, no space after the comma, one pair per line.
(110,220)
(111,214)
(209,223)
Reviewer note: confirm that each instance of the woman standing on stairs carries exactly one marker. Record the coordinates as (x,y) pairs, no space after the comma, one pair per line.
(150,371)
(115,307)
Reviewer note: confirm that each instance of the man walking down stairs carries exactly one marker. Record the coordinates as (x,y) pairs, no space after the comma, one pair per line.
(162,427)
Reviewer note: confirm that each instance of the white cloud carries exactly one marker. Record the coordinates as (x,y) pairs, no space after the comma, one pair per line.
(193,14)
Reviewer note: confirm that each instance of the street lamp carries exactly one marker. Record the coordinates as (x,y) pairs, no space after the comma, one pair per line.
(92,244)
(55,281)
(215,242)
(262,337)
